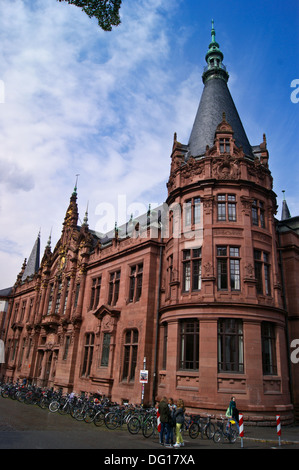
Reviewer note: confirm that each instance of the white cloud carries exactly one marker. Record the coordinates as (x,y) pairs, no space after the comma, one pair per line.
(80,100)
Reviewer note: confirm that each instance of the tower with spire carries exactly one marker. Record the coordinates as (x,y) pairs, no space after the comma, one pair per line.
(226,285)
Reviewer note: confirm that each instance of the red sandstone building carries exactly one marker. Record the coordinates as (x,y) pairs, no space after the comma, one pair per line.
(203,289)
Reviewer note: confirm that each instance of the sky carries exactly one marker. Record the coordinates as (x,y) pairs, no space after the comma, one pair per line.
(76,100)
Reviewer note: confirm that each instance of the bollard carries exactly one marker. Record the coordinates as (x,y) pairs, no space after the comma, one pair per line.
(241,428)
(278,425)
(158,421)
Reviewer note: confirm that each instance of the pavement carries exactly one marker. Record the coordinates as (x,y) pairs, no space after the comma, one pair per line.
(30,427)
(268,434)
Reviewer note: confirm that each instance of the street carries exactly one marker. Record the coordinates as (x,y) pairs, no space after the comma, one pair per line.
(30,427)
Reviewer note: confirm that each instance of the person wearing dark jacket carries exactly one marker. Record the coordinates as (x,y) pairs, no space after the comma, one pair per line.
(172,422)
(232,411)
(164,412)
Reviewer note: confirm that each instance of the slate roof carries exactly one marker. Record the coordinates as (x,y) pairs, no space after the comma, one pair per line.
(5,292)
(215,100)
(33,262)
(285,213)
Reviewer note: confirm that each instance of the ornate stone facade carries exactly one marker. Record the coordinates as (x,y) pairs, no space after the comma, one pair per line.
(194,289)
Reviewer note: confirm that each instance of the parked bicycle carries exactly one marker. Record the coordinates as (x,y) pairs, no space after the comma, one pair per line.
(225,431)
(118,417)
(202,426)
(149,427)
(138,420)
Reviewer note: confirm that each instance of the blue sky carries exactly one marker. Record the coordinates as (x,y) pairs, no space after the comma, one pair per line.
(78,100)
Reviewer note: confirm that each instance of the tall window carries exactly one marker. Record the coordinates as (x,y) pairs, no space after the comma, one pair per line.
(16,310)
(29,348)
(23,309)
(136,282)
(50,299)
(170,268)
(192,211)
(230,345)
(192,270)
(31,303)
(258,213)
(58,297)
(88,354)
(130,355)
(95,293)
(269,349)
(228,268)
(113,287)
(105,350)
(262,272)
(66,347)
(226,207)
(21,355)
(66,295)
(77,294)
(189,345)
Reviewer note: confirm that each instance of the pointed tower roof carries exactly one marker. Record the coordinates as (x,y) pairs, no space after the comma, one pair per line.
(33,263)
(215,100)
(72,215)
(285,213)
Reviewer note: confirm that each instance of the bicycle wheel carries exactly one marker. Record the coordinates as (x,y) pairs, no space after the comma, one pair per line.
(78,414)
(148,428)
(210,430)
(194,430)
(89,415)
(134,425)
(44,403)
(112,420)
(5,393)
(63,409)
(54,406)
(217,436)
(99,418)
(232,436)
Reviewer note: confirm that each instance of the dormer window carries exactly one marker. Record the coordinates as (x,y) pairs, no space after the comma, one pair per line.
(224,145)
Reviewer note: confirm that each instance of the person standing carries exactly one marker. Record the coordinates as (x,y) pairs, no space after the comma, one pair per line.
(232,411)
(164,419)
(172,422)
(179,417)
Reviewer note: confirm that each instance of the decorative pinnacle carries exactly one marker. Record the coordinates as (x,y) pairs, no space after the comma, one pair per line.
(76,185)
(213,32)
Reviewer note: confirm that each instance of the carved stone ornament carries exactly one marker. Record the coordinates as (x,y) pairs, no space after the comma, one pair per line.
(227,168)
(249,271)
(108,323)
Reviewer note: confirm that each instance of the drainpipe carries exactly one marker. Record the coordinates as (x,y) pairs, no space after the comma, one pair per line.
(157,320)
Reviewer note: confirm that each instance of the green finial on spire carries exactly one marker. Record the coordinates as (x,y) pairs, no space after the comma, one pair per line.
(76,185)
(213,32)
(214,58)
